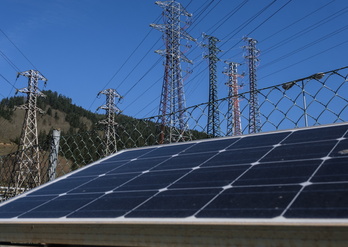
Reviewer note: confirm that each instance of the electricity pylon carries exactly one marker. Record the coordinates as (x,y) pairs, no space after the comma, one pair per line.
(213,126)
(234,124)
(174,127)
(254,111)
(27,170)
(109,122)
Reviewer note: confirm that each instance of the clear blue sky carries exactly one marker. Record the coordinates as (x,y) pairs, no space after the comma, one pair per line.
(85,46)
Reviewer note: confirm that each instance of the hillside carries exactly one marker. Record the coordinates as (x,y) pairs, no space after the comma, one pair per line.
(61,114)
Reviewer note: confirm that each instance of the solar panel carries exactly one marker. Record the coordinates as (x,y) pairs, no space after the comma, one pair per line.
(292,174)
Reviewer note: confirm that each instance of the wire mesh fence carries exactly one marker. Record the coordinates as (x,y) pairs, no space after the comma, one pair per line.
(318,99)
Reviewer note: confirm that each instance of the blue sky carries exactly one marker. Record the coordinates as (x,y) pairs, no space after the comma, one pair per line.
(85,46)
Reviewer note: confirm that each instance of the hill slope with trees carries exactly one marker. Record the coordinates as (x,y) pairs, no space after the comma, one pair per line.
(61,113)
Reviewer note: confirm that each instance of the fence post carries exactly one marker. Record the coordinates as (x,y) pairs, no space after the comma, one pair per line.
(53,159)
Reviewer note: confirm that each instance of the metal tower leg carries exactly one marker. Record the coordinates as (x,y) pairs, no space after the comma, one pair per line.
(109,122)
(174,127)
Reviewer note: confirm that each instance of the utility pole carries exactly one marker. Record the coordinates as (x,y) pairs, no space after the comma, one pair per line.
(234,124)
(254,111)
(174,127)
(109,121)
(27,170)
(213,126)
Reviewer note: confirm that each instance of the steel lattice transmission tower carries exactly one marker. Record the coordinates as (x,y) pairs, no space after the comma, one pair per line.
(254,111)
(234,124)
(213,126)
(174,125)
(27,173)
(109,122)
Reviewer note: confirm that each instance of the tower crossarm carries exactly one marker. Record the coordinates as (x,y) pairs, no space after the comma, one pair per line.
(252,58)
(181,55)
(173,118)
(109,121)
(27,168)
(31,73)
(177,6)
(213,126)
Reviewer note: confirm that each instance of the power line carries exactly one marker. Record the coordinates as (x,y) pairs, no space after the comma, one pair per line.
(297,21)
(139,62)
(303,31)
(142,77)
(317,54)
(227,17)
(245,24)
(205,9)
(306,30)
(126,61)
(268,18)
(306,46)
(8,60)
(142,59)
(144,92)
(18,49)
(195,19)
(8,81)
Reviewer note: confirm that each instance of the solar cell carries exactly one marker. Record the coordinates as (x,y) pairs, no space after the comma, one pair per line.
(333,170)
(328,201)
(22,205)
(122,202)
(250,202)
(210,177)
(60,206)
(279,173)
(293,174)
(174,203)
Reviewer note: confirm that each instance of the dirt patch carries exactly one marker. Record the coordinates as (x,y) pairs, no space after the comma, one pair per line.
(6,148)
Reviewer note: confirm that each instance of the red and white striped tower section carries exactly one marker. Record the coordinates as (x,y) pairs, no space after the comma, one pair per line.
(234,124)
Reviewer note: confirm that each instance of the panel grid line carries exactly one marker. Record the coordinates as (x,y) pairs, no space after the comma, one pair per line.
(303,187)
(231,184)
(278,176)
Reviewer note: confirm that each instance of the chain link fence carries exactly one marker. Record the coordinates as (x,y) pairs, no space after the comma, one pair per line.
(318,99)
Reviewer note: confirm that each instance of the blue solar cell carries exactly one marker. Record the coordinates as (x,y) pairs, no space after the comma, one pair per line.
(237,156)
(210,177)
(341,150)
(279,173)
(211,146)
(140,165)
(60,206)
(174,203)
(153,180)
(259,140)
(184,161)
(300,151)
(167,150)
(99,169)
(63,186)
(121,204)
(104,183)
(250,202)
(22,205)
(321,201)
(333,170)
(316,134)
(295,174)
(132,154)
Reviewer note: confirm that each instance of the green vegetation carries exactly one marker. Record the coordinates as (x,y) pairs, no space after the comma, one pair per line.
(7,106)
(83,137)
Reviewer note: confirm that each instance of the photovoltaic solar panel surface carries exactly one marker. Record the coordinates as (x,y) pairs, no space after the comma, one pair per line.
(295,174)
